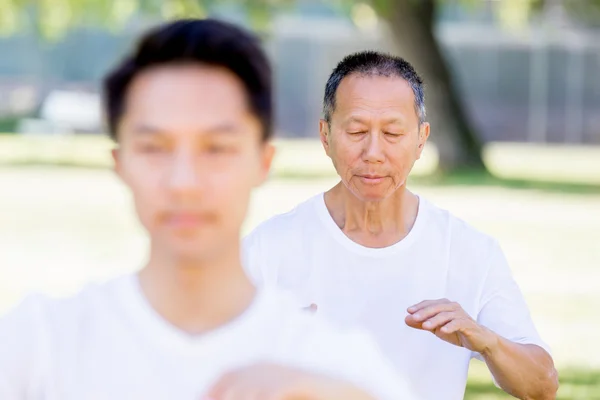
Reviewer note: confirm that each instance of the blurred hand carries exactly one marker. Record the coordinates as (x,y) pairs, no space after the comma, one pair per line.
(448,321)
(274,382)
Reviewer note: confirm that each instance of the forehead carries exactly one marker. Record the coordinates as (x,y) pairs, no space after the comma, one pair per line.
(375,94)
(185,96)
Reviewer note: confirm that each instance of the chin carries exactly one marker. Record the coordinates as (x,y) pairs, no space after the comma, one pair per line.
(192,249)
(371,195)
(197,257)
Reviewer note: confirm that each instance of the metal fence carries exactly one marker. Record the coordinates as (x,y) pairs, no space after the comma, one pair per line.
(534,88)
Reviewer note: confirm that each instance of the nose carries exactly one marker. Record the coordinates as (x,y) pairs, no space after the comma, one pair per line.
(183,177)
(373,151)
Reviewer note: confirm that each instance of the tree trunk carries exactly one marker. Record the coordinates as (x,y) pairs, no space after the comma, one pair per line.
(411,25)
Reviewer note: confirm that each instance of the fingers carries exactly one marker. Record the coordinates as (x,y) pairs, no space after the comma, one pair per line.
(425,303)
(452,326)
(432,310)
(438,321)
(409,320)
(238,392)
(255,382)
(219,389)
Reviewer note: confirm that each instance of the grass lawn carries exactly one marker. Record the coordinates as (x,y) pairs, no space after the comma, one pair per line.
(61,227)
(575,384)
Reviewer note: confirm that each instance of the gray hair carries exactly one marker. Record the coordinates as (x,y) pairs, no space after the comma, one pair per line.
(373,63)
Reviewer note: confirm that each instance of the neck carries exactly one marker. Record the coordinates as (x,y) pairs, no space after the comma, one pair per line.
(373,223)
(197,296)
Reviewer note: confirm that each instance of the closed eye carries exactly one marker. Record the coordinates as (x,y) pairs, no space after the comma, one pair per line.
(217,149)
(151,147)
(392,133)
(220,149)
(357,133)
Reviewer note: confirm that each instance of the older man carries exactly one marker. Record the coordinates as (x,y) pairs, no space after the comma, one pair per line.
(431,289)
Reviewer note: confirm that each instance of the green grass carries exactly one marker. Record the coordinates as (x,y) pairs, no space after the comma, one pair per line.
(575,384)
(484,178)
(528,166)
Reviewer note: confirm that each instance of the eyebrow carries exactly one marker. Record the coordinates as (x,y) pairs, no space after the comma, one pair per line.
(395,120)
(148,130)
(223,128)
(391,120)
(356,119)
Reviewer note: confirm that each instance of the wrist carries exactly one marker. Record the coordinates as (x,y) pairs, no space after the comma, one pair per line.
(491,343)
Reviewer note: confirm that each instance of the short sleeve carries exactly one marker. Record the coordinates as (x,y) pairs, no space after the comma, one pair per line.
(20,351)
(251,255)
(503,308)
(260,256)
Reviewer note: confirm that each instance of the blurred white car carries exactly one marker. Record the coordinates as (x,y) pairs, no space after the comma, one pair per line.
(66,112)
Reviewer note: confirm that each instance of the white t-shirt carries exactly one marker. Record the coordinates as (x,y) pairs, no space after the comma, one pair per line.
(305,252)
(108,343)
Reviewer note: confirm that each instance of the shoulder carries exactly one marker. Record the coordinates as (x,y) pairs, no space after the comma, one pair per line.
(21,330)
(51,315)
(38,330)
(462,239)
(286,223)
(23,317)
(28,337)
(267,248)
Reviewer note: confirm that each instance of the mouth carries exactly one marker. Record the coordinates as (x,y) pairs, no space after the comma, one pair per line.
(185,220)
(371,179)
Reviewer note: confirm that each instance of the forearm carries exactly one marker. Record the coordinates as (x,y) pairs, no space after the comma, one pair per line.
(522,370)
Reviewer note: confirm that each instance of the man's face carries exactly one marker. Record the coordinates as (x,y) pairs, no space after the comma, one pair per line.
(375,137)
(191,152)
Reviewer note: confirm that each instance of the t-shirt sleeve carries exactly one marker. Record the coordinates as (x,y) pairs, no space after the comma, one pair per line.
(503,307)
(251,257)
(20,351)
(260,254)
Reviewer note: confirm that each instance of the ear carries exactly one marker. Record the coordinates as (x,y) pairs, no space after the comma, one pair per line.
(324,134)
(118,164)
(423,136)
(116,161)
(266,162)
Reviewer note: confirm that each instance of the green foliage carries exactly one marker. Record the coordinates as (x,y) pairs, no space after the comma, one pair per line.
(8,124)
(585,11)
(53,18)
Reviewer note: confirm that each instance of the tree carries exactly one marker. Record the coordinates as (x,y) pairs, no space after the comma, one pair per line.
(411,23)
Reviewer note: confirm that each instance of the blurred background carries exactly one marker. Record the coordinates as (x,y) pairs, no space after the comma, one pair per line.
(513,92)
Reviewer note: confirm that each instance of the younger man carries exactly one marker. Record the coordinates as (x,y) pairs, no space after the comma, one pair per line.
(191,113)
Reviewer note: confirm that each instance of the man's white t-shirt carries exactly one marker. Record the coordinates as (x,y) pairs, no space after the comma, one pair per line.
(108,343)
(305,252)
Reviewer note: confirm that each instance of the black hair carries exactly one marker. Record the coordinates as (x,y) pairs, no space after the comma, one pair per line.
(371,63)
(208,42)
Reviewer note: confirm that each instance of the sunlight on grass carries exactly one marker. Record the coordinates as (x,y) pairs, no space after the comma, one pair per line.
(302,158)
(575,384)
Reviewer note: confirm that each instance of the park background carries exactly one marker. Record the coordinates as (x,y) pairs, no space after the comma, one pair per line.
(513,97)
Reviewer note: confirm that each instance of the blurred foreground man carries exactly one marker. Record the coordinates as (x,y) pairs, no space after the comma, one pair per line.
(434,291)
(191,113)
